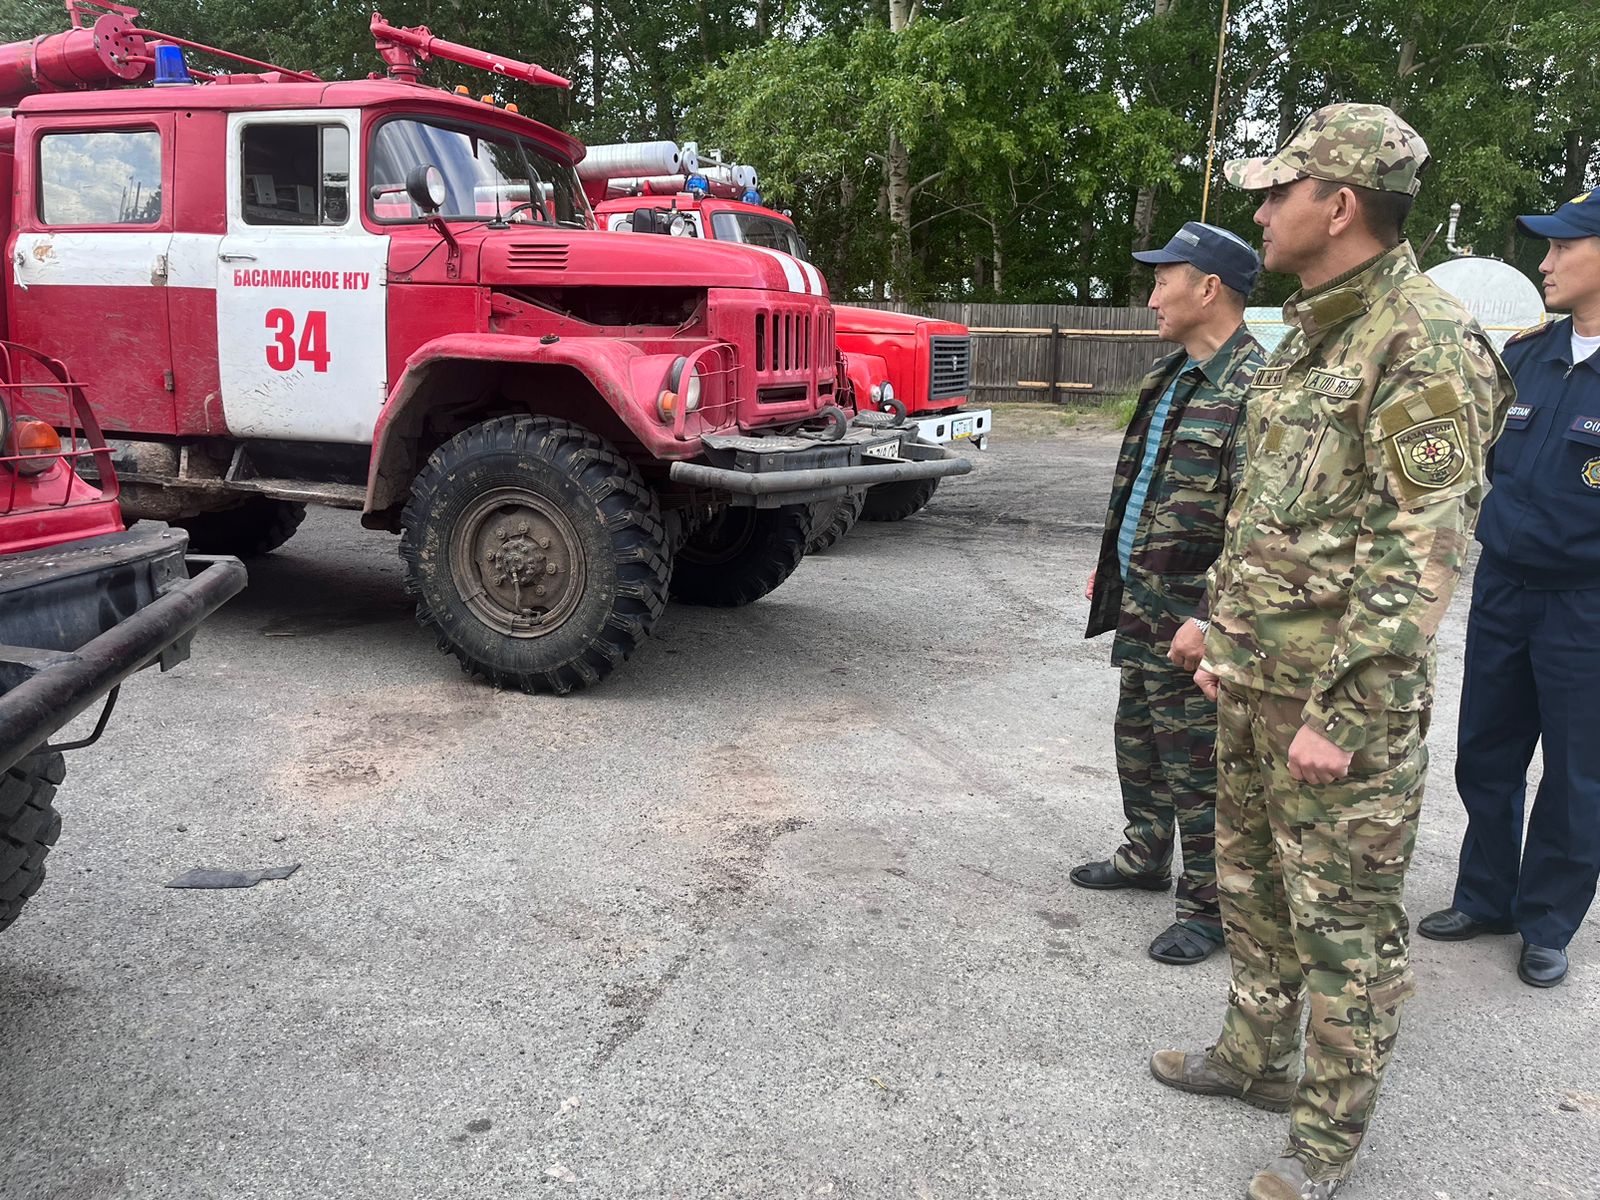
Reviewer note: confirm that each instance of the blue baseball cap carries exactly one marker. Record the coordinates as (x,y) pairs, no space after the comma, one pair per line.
(1214,251)
(1577,218)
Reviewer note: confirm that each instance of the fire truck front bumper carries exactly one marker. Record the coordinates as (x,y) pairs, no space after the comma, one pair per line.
(969,425)
(774,470)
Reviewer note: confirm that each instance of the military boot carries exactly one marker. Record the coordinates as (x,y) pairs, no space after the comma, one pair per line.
(1207,1075)
(1288,1179)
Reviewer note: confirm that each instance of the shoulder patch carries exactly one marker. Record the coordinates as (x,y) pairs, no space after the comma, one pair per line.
(1326,383)
(1444,330)
(1430,454)
(1269,377)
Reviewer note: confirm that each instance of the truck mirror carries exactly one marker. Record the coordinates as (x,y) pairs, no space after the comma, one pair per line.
(425,187)
(644,221)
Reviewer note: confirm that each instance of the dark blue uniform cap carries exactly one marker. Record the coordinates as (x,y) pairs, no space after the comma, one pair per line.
(1577,218)
(1214,251)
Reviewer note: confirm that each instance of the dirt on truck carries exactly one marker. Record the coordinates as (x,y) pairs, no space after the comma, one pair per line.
(382,296)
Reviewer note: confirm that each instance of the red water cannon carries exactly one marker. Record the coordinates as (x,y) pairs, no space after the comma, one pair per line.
(405,50)
(110,50)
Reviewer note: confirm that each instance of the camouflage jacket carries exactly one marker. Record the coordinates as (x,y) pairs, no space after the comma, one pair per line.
(1368,432)
(1198,465)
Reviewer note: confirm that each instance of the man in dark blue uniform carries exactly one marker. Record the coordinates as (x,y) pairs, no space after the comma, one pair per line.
(1533,636)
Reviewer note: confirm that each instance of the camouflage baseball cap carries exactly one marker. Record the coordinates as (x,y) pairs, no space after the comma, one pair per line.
(1364,145)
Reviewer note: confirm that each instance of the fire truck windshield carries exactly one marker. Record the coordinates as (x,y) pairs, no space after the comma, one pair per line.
(756,230)
(488,173)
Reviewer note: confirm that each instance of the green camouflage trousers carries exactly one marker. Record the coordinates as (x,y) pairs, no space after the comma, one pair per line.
(1311,879)
(1166,741)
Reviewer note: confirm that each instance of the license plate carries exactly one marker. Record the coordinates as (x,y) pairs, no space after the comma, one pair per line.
(963,427)
(886,450)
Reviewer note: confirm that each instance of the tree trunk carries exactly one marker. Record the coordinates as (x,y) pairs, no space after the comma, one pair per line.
(898,191)
(1408,63)
(598,73)
(999,259)
(1144,205)
(898,171)
(1579,150)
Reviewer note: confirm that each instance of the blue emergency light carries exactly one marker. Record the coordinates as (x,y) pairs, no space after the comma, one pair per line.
(697,185)
(170,67)
(751,196)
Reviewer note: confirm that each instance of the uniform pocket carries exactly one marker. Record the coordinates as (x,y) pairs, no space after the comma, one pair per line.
(1197,458)
(1579,469)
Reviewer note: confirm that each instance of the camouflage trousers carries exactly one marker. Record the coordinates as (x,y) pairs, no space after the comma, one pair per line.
(1311,879)
(1166,743)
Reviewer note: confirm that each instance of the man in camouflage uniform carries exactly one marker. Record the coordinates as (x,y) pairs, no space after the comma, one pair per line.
(1181,459)
(1369,429)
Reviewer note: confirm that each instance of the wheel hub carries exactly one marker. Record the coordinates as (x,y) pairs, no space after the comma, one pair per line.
(518,562)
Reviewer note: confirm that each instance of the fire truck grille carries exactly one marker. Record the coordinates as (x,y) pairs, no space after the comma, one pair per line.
(949,367)
(536,256)
(793,341)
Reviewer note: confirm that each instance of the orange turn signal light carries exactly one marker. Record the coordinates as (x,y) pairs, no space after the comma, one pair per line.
(39,441)
(512,108)
(461,90)
(487,99)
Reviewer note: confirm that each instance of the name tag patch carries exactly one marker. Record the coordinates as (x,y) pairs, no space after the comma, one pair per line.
(1337,387)
(1269,377)
(1519,415)
(1429,454)
(1587,428)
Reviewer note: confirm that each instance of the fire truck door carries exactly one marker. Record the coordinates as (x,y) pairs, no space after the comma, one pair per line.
(301,326)
(91,262)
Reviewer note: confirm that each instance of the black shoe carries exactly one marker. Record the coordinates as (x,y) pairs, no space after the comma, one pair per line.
(1540,966)
(1183,945)
(1104,877)
(1453,925)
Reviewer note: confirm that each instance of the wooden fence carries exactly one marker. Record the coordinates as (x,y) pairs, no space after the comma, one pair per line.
(1059,353)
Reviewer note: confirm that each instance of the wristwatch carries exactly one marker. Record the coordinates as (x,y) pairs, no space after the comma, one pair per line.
(1202,626)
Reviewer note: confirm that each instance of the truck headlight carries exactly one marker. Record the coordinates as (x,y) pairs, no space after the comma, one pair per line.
(882,394)
(688,390)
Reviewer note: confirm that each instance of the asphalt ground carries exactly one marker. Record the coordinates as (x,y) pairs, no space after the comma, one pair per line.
(780,911)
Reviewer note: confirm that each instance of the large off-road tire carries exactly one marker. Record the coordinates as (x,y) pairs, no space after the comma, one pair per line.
(258,526)
(740,555)
(832,519)
(535,552)
(29,826)
(897,501)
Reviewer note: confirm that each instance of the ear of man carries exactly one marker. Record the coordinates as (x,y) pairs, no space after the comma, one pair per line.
(1382,214)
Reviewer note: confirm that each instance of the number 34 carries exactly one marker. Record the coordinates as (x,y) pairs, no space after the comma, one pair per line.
(284,351)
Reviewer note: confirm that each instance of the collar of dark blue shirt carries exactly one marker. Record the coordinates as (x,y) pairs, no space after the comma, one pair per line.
(1556,346)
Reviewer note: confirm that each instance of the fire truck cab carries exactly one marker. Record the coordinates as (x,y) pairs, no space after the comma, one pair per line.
(382,296)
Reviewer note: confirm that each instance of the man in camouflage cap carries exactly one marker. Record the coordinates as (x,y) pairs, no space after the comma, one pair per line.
(1369,428)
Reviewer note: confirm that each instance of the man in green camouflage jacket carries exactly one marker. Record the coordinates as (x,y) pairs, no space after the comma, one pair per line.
(1368,433)
(1181,461)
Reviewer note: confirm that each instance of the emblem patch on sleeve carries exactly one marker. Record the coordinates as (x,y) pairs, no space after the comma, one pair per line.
(1429,454)
(1591,473)
(1326,383)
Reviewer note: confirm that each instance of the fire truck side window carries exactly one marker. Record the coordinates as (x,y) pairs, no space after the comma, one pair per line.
(295,174)
(107,178)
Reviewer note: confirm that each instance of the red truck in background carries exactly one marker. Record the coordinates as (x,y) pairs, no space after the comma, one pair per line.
(922,363)
(84,602)
(382,296)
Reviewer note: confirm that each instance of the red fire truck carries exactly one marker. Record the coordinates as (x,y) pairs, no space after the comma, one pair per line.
(923,364)
(381,296)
